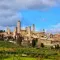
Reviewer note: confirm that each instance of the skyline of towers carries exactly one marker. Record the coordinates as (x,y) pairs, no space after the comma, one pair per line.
(18,28)
(28,29)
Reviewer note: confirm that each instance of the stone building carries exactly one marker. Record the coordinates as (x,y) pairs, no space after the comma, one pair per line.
(29,34)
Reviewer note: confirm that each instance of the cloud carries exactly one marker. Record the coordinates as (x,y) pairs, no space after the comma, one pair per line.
(54,28)
(5,28)
(2,28)
(36,4)
(9,9)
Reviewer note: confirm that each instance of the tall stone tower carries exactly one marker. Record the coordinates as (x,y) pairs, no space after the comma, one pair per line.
(33,27)
(15,32)
(18,26)
(29,30)
(8,30)
(43,30)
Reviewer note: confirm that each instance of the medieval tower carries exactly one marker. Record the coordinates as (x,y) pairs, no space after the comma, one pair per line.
(8,30)
(33,27)
(18,26)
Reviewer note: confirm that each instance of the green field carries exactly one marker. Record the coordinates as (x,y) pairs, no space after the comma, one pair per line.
(7,44)
(20,58)
(10,51)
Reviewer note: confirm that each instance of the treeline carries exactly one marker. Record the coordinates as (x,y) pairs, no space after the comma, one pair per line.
(2,31)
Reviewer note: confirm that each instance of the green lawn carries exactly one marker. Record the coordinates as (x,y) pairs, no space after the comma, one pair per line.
(7,44)
(20,58)
(26,58)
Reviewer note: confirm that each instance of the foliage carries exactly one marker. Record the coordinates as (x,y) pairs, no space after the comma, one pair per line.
(2,31)
(57,46)
(11,51)
(7,44)
(34,41)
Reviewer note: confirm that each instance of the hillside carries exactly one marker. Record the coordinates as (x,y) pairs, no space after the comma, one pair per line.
(7,44)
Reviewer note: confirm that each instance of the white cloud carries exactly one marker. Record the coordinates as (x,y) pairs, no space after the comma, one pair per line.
(5,28)
(54,28)
(2,28)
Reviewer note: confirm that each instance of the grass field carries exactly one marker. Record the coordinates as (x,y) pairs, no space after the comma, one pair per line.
(20,58)
(10,51)
(7,44)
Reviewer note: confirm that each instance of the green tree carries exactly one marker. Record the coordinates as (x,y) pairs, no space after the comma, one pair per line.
(57,46)
(33,42)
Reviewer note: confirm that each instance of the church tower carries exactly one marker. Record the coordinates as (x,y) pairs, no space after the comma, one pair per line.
(18,26)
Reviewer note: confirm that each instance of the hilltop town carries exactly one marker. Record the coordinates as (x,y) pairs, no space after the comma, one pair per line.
(27,35)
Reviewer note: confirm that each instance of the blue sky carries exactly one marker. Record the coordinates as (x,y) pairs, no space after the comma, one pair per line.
(42,19)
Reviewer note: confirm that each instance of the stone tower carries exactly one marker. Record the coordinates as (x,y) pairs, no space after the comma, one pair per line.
(33,27)
(8,30)
(28,30)
(15,32)
(18,26)
(43,30)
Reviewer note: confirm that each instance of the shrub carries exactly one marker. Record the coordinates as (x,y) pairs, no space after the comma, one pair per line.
(33,43)
(57,46)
